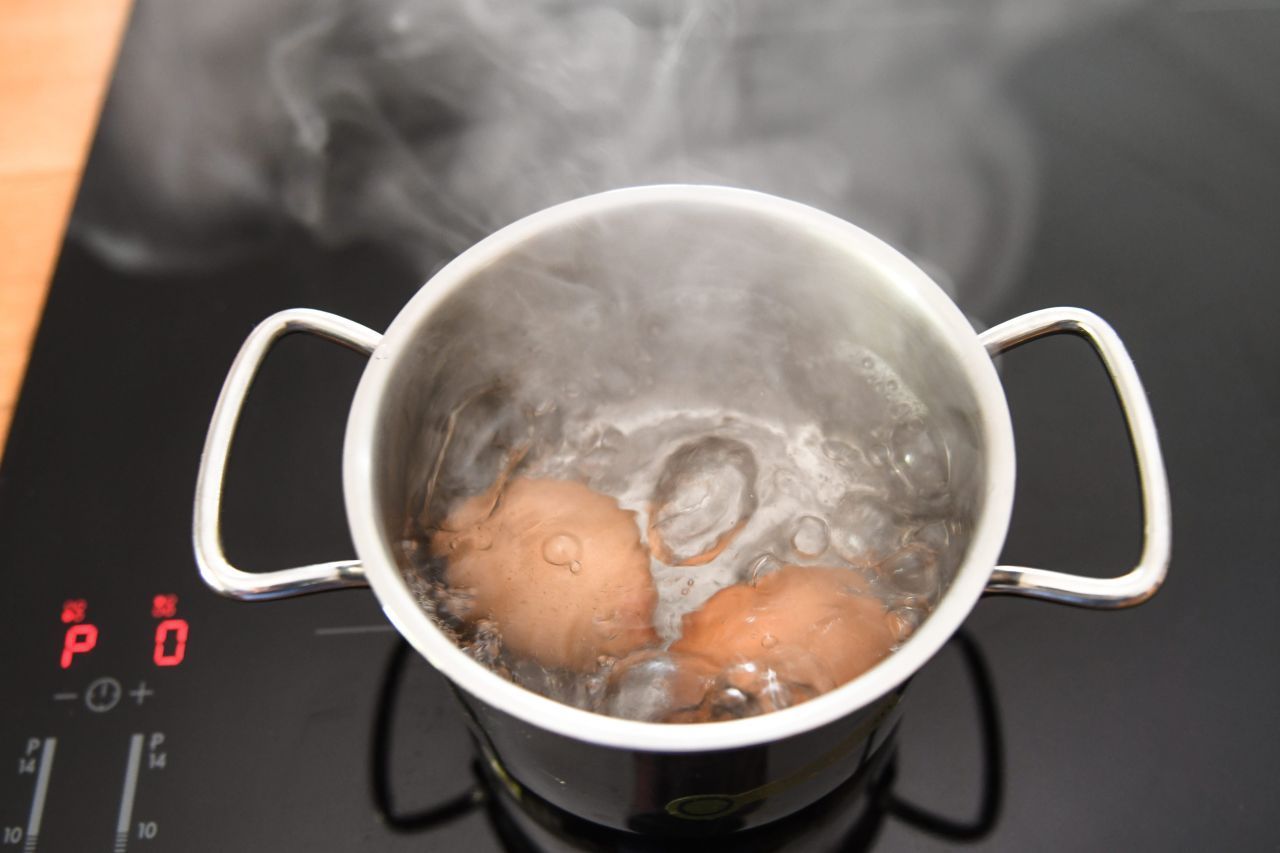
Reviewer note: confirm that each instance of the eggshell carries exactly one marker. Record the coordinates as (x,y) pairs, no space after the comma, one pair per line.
(814,625)
(558,567)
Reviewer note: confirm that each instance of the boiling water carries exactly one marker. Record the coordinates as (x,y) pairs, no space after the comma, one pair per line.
(720,499)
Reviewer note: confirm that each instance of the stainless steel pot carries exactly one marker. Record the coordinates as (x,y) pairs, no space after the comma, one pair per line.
(723,295)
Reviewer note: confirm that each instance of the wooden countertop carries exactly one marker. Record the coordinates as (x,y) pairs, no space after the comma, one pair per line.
(56,58)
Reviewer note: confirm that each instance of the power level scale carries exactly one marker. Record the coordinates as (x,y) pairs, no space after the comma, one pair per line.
(144,751)
(36,761)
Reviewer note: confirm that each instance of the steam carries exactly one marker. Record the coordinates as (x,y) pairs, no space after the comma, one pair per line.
(425,126)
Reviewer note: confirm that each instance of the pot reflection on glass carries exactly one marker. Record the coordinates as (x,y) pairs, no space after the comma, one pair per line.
(703,300)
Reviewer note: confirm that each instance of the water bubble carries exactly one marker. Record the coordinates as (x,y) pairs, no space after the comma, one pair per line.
(919,459)
(599,468)
(904,621)
(590,690)
(651,686)
(765,564)
(762,686)
(879,456)
(729,704)
(597,436)
(865,530)
(913,571)
(811,537)
(745,677)
(933,534)
(858,468)
(571,688)
(704,496)
(482,440)
(841,453)
(562,549)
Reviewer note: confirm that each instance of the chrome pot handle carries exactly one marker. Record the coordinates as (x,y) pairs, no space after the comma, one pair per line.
(1144,579)
(206,525)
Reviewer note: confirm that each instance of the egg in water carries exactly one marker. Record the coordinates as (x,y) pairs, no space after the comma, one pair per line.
(558,567)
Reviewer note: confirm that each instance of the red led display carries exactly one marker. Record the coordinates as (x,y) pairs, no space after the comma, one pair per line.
(171,633)
(73,610)
(79,640)
(174,630)
(164,606)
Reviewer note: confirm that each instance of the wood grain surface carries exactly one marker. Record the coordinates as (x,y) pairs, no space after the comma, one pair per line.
(56,58)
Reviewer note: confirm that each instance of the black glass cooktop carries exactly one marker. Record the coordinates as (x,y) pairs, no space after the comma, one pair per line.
(142,712)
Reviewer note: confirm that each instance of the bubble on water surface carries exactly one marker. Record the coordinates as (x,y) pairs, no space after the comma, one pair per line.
(811,537)
(919,459)
(705,494)
(864,529)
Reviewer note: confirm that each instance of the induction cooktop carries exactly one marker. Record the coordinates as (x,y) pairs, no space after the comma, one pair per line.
(143,712)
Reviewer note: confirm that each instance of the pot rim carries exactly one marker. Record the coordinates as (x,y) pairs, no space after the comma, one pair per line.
(416,625)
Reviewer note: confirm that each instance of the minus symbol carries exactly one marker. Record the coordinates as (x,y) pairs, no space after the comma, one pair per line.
(63,697)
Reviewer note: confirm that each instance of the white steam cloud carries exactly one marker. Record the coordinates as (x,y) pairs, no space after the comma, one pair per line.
(426,125)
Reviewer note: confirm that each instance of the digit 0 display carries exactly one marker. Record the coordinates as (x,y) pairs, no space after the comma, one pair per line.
(171,634)
(81,636)
(171,642)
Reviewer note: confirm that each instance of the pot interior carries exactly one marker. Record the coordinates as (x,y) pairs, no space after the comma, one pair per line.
(727,303)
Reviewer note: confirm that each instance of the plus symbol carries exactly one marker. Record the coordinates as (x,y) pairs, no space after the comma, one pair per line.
(141,692)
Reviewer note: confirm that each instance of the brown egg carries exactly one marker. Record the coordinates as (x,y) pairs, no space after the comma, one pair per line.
(558,567)
(813,625)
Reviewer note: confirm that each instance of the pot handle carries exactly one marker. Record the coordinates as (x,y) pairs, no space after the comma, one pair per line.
(206,523)
(1144,579)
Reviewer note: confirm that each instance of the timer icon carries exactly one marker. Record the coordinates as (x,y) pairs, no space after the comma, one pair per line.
(102,695)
